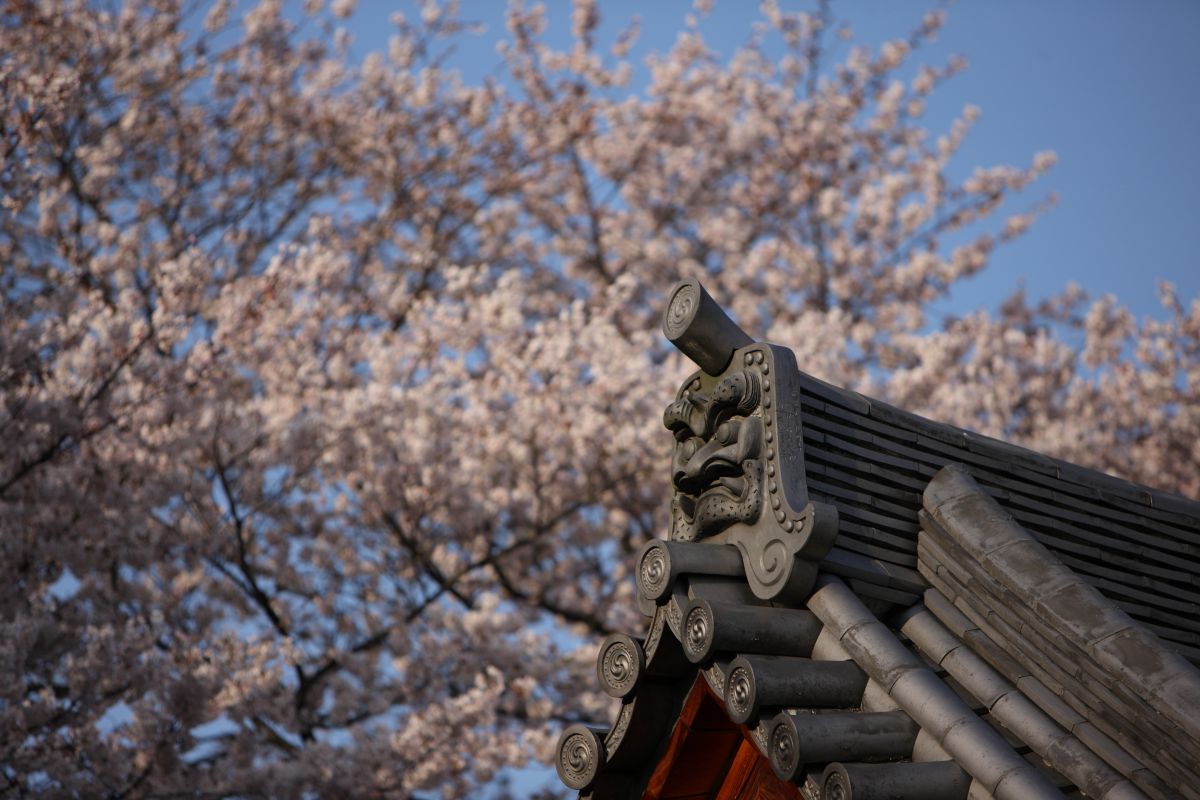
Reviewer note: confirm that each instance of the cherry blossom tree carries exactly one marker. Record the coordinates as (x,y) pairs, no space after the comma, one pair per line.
(330,388)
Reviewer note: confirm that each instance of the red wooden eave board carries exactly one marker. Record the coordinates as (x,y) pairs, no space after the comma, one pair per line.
(711,758)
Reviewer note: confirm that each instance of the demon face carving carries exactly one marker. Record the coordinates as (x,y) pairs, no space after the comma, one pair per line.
(738,471)
(738,463)
(717,469)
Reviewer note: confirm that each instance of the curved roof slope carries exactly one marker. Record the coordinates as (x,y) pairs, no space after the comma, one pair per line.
(1136,694)
(836,702)
(888,606)
(1139,547)
(1012,678)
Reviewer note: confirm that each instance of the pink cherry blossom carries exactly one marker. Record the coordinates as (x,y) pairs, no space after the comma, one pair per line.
(330,389)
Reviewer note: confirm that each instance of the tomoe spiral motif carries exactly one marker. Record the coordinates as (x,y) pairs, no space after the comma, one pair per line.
(836,787)
(783,748)
(739,694)
(578,760)
(681,309)
(619,666)
(697,631)
(654,571)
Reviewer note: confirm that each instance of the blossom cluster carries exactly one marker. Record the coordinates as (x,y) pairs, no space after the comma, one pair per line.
(330,388)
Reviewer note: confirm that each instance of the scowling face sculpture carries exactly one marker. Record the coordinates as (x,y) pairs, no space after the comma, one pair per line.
(717,470)
(738,463)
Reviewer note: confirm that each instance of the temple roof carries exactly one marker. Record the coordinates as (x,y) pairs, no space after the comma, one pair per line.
(874,604)
(1137,546)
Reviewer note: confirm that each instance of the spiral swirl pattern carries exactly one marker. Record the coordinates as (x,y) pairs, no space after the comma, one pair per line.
(784,752)
(681,309)
(697,633)
(836,787)
(620,665)
(773,557)
(739,694)
(654,572)
(578,759)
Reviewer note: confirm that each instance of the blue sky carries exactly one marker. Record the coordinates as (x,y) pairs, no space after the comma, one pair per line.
(1112,87)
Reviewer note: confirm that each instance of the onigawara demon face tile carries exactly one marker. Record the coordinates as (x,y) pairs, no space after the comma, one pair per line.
(738,463)
(717,468)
